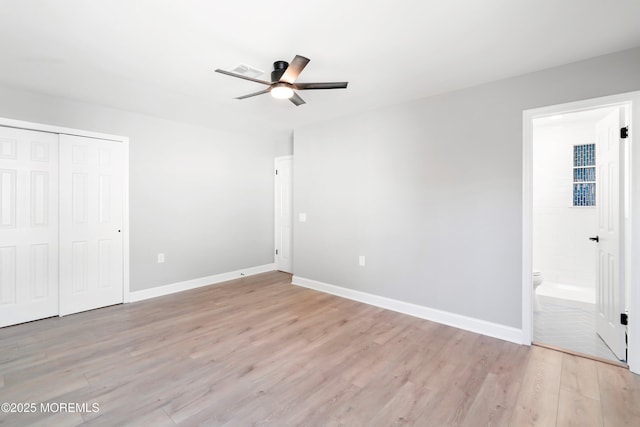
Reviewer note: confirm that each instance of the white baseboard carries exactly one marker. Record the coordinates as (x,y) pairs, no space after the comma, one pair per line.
(482,327)
(197,283)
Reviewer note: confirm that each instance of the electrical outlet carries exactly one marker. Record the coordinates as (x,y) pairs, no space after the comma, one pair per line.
(303,217)
(160,258)
(361,261)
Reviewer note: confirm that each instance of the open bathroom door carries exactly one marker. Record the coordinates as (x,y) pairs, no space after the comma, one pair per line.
(610,259)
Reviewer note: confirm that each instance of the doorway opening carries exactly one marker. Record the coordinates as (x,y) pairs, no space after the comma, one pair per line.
(571,196)
(579,288)
(283,214)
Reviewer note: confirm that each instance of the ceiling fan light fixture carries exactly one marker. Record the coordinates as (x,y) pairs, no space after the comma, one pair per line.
(283,80)
(281,91)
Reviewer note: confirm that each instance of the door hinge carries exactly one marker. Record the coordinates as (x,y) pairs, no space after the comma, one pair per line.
(624,132)
(276,252)
(624,319)
(276,171)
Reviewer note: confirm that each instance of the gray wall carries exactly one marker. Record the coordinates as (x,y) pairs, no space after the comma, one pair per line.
(431,191)
(203,197)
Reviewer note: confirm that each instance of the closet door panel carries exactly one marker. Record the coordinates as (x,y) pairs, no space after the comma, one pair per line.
(91,209)
(28,225)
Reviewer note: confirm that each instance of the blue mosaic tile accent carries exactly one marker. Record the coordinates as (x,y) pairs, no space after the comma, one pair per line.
(584,194)
(584,155)
(584,175)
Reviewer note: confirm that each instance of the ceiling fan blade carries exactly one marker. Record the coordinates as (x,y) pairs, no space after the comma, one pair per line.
(294,69)
(329,85)
(240,76)
(254,94)
(297,100)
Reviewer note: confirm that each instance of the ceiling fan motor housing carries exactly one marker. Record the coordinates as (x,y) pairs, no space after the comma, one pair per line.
(279,67)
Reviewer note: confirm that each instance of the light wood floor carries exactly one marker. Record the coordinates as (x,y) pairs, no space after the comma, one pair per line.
(259,351)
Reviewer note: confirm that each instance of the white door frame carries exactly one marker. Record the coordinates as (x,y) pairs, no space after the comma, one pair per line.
(19,124)
(275,208)
(632,100)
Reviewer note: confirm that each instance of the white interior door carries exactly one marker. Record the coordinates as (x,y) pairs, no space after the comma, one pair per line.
(28,225)
(91,212)
(284,213)
(610,261)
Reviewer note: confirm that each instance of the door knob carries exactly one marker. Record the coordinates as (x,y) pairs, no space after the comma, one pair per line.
(594,239)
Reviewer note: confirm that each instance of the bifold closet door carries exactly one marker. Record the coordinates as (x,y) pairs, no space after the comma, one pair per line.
(91,220)
(28,225)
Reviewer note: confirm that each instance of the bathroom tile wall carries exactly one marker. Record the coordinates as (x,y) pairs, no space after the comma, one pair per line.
(561,248)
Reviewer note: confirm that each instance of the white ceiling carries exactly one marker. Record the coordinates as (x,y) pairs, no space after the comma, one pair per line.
(158,56)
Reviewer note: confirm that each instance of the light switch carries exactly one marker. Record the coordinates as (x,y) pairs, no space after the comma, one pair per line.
(303,217)
(160,258)
(361,260)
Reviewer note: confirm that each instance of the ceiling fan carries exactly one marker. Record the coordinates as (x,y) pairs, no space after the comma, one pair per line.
(283,81)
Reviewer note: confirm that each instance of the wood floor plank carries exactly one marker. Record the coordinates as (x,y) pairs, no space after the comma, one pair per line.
(493,404)
(322,409)
(258,351)
(619,396)
(297,403)
(495,400)
(577,410)
(580,375)
(537,403)
(368,401)
(45,387)
(156,418)
(40,419)
(407,406)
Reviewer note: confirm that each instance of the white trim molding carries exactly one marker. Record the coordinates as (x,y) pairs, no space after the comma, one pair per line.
(197,283)
(459,321)
(20,124)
